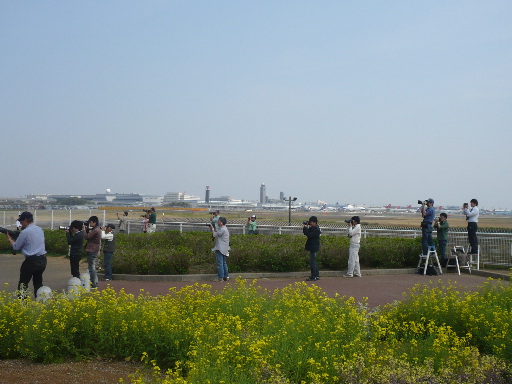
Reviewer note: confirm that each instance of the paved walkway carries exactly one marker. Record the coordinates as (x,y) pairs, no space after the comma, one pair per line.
(378,286)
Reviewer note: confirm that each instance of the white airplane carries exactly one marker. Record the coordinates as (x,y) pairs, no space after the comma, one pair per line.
(353,208)
(316,207)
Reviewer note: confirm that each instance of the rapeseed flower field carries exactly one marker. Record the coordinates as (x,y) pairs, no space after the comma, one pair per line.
(293,335)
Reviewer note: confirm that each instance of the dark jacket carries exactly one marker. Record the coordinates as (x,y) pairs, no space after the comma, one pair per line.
(313,241)
(93,238)
(76,241)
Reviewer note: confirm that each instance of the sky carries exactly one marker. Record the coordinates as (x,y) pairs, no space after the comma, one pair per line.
(352,102)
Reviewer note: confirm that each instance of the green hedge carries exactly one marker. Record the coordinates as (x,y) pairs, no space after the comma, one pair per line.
(172,252)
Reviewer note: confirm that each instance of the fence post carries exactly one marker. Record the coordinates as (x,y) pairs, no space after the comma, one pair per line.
(70,216)
(104,217)
(181,227)
(51,225)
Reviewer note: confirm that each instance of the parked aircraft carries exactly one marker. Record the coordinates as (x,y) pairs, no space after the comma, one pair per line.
(352,208)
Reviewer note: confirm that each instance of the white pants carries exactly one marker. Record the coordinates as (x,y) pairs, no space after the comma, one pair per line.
(353,260)
(151,228)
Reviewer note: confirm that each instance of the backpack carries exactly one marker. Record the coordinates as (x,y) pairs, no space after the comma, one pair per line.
(431,271)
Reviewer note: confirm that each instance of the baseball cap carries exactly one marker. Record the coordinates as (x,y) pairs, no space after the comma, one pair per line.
(253,216)
(431,200)
(111,226)
(26,215)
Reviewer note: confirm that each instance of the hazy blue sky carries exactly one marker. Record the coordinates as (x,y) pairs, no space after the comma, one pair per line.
(352,102)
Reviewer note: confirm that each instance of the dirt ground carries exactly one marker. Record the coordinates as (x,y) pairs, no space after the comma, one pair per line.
(94,371)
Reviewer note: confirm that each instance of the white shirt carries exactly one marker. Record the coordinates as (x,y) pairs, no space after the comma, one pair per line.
(472,214)
(354,232)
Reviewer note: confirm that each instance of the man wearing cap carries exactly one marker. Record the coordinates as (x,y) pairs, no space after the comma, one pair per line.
(428,213)
(252,226)
(354,233)
(31,243)
(109,246)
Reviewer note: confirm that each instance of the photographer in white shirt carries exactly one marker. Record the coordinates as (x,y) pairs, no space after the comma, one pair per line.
(354,232)
(472,219)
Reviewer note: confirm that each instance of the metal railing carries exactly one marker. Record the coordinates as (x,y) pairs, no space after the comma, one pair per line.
(495,248)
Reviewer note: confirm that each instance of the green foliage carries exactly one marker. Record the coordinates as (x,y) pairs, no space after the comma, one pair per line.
(293,335)
(172,252)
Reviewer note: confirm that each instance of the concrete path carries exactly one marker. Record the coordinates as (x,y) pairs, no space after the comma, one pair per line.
(378,286)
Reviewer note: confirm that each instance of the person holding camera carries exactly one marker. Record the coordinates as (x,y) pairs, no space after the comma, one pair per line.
(312,231)
(472,219)
(428,212)
(123,222)
(441,225)
(109,246)
(252,226)
(152,221)
(215,219)
(354,233)
(31,244)
(75,238)
(92,233)
(221,248)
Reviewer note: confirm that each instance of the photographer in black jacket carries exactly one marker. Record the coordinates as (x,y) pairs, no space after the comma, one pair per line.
(75,238)
(312,231)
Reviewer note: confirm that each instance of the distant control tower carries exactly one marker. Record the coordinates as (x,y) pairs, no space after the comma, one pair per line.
(207,195)
(263,194)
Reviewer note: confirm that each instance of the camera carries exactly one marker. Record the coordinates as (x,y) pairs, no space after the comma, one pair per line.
(63,227)
(14,234)
(348,221)
(423,202)
(305,222)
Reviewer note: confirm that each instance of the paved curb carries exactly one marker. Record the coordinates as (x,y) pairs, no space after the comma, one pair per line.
(291,275)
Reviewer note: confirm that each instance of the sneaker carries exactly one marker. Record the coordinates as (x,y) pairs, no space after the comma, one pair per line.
(357,275)
(225,278)
(312,278)
(348,276)
(108,279)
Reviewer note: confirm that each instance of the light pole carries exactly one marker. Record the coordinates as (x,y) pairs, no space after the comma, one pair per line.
(290,199)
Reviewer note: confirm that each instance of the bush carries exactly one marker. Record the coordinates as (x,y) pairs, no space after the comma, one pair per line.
(172,252)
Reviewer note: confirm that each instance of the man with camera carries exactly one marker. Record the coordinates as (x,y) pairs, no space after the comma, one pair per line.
(31,244)
(441,225)
(221,248)
(109,246)
(472,219)
(428,213)
(215,219)
(252,226)
(75,238)
(152,221)
(123,222)
(92,233)
(354,233)
(312,231)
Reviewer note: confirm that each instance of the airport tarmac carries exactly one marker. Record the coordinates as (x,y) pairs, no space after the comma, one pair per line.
(376,287)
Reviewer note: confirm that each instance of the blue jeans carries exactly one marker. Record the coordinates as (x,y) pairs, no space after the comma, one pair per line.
(222,266)
(313,264)
(91,262)
(107,264)
(426,239)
